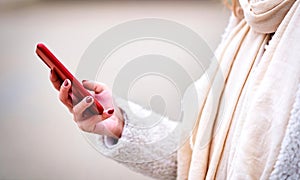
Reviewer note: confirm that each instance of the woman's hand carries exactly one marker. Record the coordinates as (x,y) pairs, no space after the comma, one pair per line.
(110,123)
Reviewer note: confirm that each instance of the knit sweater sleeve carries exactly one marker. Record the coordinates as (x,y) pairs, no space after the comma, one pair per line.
(149,151)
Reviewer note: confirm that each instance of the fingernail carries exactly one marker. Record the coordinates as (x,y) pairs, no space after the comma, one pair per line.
(88,99)
(111,111)
(66,83)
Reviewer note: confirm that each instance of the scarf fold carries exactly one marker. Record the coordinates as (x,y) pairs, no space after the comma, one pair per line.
(265,16)
(245,107)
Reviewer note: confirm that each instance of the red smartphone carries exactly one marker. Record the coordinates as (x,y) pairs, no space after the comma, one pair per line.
(77,89)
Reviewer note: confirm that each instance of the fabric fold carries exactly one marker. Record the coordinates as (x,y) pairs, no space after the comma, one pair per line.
(243,118)
(265,16)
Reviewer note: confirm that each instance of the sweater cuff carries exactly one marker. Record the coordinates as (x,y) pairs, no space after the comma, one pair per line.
(138,143)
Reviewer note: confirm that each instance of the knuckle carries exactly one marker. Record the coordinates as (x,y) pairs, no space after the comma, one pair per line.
(98,89)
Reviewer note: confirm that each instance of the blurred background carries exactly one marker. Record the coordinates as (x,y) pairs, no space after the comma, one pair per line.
(38,139)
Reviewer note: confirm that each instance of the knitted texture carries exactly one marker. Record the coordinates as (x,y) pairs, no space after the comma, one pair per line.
(288,163)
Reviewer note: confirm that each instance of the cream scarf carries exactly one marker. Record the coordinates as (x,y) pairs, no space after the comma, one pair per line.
(240,137)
